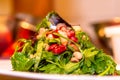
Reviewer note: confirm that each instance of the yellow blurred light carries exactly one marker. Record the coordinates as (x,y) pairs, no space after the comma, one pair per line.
(116,19)
(101,32)
(24,24)
(27,25)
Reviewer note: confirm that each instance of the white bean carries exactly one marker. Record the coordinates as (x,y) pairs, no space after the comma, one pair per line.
(63,41)
(74,59)
(76,28)
(77,55)
(50,36)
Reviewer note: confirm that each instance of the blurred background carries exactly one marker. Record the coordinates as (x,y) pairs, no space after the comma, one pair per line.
(92,15)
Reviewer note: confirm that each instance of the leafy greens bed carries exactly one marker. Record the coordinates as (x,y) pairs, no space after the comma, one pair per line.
(59,48)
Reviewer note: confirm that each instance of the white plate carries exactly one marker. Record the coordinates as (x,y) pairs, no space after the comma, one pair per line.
(6,69)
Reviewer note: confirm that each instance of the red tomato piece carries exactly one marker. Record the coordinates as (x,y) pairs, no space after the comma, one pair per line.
(70,33)
(57,49)
(74,39)
(53,46)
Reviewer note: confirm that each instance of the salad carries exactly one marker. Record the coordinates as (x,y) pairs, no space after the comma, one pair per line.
(60,48)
